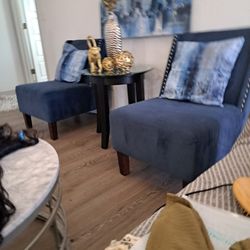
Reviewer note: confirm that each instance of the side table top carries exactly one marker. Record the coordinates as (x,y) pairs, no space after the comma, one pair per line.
(136,69)
(30,175)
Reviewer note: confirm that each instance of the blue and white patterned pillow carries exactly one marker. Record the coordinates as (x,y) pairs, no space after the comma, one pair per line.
(201,70)
(71,63)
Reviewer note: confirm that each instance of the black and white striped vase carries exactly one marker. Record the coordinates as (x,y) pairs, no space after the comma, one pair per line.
(112,35)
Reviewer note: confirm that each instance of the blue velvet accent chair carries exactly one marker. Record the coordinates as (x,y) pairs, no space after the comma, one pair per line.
(52,101)
(181,137)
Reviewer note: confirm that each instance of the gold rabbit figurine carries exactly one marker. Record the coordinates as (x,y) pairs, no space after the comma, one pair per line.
(94,56)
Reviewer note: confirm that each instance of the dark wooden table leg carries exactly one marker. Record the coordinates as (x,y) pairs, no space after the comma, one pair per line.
(140,93)
(98,112)
(131,93)
(102,97)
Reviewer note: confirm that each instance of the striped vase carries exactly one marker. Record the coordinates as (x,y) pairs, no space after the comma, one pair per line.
(112,35)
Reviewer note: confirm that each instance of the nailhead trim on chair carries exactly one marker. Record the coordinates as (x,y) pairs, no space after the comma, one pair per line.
(170,59)
(99,43)
(246,95)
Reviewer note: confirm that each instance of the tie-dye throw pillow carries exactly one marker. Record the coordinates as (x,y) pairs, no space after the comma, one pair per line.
(201,70)
(71,64)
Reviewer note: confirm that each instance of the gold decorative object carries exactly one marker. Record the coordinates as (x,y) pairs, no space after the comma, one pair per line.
(108,64)
(94,56)
(124,61)
(112,31)
(241,191)
(109,4)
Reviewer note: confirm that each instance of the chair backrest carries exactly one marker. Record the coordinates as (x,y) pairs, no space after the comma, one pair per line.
(238,87)
(82,45)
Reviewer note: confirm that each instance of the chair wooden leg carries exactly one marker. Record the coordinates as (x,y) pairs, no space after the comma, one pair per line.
(27,120)
(123,161)
(53,130)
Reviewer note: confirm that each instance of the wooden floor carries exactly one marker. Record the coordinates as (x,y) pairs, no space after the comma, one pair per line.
(100,204)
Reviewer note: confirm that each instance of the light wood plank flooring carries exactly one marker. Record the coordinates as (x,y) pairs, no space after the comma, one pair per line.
(100,204)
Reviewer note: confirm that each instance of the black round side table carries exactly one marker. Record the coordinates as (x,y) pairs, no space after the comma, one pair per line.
(101,81)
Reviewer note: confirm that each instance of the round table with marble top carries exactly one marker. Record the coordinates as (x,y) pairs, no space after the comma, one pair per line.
(31,179)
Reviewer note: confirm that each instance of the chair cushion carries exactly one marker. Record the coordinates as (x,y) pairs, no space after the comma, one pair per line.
(201,70)
(53,100)
(184,139)
(71,64)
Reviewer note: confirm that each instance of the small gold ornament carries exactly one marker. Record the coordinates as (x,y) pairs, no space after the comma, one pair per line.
(94,56)
(108,64)
(124,61)
(109,4)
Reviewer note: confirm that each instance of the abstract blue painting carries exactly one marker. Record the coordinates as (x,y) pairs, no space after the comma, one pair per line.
(140,18)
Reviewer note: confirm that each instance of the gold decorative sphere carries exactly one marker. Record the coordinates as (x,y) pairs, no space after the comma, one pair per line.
(124,61)
(108,64)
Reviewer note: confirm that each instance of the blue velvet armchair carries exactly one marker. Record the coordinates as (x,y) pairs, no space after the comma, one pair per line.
(52,101)
(181,137)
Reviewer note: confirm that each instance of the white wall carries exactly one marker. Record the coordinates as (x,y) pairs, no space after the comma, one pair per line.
(11,71)
(220,14)
(62,19)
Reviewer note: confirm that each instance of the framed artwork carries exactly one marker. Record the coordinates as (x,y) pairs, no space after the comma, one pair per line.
(140,18)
